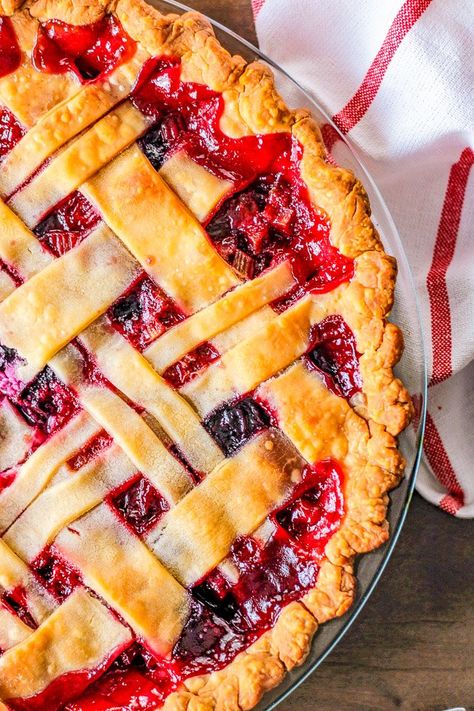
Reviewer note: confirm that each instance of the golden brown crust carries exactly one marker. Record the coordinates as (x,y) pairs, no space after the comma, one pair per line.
(252,105)
(75,12)
(8,7)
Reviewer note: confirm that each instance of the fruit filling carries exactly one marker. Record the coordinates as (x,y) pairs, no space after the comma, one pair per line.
(47,403)
(10,53)
(140,504)
(144,313)
(67,224)
(273,220)
(91,449)
(334,355)
(11,130)
(232,425)
(57,575)
(89,51)
(10,385)
(184,370)
(17,602)
(70,686)
(186,116)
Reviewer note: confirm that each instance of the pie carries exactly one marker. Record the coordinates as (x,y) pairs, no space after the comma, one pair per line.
(199,415)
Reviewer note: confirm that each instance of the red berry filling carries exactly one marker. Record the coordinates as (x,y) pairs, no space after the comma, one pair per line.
(58,576)
(16,601)
(140,504)
(135,680)
(68,224)
(47,403)
(10,385)
(10,130)
(316,508)
(144,313)
(190,365)
(334,355)
(90,450)
(66,687)
(273,220)
(187,116)
(10,53)
(269,220)
(90,51)
(233,425)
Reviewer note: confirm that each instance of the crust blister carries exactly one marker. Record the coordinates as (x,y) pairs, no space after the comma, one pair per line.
(252,105)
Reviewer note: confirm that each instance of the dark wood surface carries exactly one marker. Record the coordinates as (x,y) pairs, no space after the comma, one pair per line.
(412,647)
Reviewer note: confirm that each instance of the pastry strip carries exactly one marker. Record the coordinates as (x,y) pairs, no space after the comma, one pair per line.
(19,247)
(232,501)
(78,162)
(130,372)
(158,229)
(15,438)
(127,427)
(137,586)
(219,316)
(7,285)
(240,331)
(46,312)
(38,470)
(14,574)
(59,505)
(197,188)
(29,668)
(12,629)
(66,120)
(307,411)
(246,365)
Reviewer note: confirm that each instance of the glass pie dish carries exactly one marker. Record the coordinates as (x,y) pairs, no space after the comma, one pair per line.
(411,369)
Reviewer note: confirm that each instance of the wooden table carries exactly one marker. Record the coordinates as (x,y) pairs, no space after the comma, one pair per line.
(412,647)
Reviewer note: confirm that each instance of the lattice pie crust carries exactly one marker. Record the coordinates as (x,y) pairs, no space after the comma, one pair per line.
(87,136)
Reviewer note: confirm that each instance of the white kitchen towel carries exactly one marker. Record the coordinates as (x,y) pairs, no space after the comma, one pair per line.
(398,78)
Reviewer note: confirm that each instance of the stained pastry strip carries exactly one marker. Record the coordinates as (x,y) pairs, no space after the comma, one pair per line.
(14,574)
(66,501)
(198,189)
(46,312)
(19,247)
(232,501)
(38,470)
(130,372)
(29,667)
(15,438)
(12,629)
(158,229)
(79,161)
(246,365)
(65,121)
(137,586)
(219,316)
